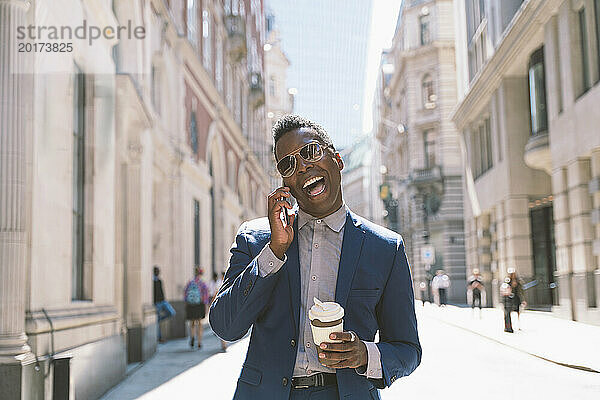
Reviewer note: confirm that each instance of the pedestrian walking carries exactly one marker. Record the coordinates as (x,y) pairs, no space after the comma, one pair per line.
(423,292)
(475,290)
(513,298)
(441,283)
(197,298)
(282,264)
(164,309)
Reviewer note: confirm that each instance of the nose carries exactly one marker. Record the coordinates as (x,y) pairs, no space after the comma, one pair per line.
(302,165)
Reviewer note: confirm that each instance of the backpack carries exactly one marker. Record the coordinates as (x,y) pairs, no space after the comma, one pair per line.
(193,295)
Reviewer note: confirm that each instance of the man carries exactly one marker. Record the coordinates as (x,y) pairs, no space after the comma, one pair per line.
(441,283)
(324,251)
(164,310)
(475,288)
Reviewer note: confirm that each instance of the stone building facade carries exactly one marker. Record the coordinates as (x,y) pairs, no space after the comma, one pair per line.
(420,146)
(279,101)
(121,154)
(528,74)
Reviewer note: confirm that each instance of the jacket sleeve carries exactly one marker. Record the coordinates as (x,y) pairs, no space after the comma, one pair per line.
(398,337)
(244,293)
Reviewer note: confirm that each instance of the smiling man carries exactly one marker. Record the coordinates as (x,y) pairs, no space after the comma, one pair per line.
(323,251)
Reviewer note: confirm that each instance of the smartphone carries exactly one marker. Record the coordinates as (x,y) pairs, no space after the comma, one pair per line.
(286,212)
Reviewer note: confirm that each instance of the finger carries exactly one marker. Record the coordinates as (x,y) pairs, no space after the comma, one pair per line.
(279,205)
(344,336)
(342,363)
(338,347)
(330,362)
(333,356)
(279,192)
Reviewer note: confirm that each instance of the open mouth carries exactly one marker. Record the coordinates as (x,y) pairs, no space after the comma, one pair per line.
(314,186)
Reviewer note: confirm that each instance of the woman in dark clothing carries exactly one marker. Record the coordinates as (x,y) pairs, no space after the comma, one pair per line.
(512,292)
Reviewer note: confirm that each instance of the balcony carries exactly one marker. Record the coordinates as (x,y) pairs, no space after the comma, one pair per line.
(423,177)
(236,32)
(537,152)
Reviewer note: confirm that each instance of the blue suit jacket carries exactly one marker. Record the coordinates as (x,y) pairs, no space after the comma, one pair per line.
(373,285)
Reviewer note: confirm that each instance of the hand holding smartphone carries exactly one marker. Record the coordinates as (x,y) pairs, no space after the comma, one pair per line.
(286,212)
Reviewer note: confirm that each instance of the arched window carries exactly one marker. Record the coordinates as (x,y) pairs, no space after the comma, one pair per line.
(231,171)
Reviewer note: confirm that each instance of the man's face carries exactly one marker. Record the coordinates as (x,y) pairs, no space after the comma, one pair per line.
(324,196)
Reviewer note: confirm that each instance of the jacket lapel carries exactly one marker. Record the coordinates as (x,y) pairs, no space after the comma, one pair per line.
(351,248)
(292,265)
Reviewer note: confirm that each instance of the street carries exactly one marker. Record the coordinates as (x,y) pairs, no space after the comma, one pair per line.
(456,364)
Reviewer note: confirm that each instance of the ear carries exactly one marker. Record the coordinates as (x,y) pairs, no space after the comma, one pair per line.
(339,161)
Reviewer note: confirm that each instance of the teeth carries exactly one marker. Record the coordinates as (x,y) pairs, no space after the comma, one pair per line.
(311,181)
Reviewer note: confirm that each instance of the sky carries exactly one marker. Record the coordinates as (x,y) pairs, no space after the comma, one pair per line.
(334,48)
(383,23)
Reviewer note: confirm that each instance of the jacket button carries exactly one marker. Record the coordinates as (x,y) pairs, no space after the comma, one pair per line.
(293,343)
(284,381)
(245,292)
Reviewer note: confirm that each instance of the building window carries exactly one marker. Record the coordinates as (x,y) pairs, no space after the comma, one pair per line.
(206,40)
(219,64)
(597,15)
(425,29)
(584,53)
(272,85)
(537,93)
(155,93)
(476,37)
(194,132)
(79,164)
(196,233)
(229,87)
(428,94)
(429,148)
(192,22)
(481,145)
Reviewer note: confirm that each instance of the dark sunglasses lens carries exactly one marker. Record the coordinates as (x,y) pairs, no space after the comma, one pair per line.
(312,152)
(286,166)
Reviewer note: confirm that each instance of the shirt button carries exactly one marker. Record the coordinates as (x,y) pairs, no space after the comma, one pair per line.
(307,344)
(293,343)
(270,263)
(316,245)
(309,371)
(318,221)
(314,278)
(284,381)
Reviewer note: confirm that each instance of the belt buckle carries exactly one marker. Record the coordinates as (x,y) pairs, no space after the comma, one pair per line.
(301,387)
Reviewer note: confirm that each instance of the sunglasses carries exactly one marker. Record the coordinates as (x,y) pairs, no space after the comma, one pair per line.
(310,152)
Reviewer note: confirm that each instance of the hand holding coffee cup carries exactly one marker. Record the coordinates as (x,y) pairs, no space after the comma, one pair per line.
(325,318)
(337,349)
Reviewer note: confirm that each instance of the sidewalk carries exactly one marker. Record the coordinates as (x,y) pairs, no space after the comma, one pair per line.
(176,371)
(561,341)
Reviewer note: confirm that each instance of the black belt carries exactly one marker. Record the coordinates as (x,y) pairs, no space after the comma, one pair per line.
(320,379)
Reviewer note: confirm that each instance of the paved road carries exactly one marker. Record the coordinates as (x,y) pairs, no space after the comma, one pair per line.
(456,365)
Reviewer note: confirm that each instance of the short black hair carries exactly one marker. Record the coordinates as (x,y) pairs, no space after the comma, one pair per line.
(292,122)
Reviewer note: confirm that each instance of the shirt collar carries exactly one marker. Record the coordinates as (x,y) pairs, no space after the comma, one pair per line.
(335,221)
